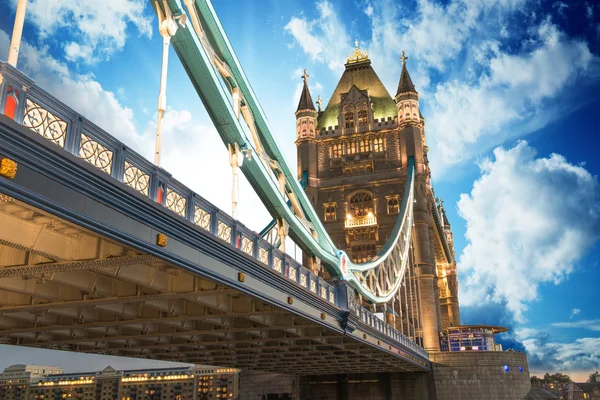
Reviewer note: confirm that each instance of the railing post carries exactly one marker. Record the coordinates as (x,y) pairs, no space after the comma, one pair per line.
(158,186)
(344,294)
(73,139)
(119,162)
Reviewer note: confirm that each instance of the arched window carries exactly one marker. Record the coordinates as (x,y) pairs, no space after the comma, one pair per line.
(364,145)
(361,204)
(351,147)
(393,205)
(330,212)
(362,118)
(378,145)
(336,150)
(349,116)
(363,253)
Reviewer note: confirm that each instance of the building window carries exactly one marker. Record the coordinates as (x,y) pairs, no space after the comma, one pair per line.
(378,145)
(364,146)
(363,253)
(361,204)
(351,147)
(330,211)
(349,116)
(336,150)
(393,205)
(362,118)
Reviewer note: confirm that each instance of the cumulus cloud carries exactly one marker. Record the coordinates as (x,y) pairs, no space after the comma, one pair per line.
(482,79)
(99,27)
(323,39)
(529,220)
(543,354)
(468,117)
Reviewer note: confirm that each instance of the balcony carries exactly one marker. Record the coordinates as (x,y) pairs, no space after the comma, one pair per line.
(356,222)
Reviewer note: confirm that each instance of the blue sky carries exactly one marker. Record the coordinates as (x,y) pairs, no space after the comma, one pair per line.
(508,89)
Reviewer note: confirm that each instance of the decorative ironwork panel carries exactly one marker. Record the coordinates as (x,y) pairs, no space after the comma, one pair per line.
(302,280)
(95,153)
(324,293)
(331,297)
(176,202)
(292,273)
(46,124)
(202,218)
(247,245)
(277,264)
(313,286)
(136,178)
(263,255)
(224,231)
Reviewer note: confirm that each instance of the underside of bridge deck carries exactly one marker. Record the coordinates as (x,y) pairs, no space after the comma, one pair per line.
(66,288)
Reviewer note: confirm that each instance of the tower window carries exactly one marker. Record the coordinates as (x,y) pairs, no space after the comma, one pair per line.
(378,145)
(330,211)
(349,119)
(362,118)
(393,205)
(361,204)
(363,253)
(336,150)
(364,146)
(351,147)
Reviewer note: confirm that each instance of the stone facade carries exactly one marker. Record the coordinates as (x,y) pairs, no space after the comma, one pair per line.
(357,166)
(477,375)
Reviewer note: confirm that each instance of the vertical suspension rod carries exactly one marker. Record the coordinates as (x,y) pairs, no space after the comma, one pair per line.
(15,41)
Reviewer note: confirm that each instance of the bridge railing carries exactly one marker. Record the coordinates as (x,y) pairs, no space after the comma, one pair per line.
(31,106)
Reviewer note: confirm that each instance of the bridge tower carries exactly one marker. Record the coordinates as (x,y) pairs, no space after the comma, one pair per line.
(356,162)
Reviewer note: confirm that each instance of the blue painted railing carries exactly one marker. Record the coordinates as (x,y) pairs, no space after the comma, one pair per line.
(31,106)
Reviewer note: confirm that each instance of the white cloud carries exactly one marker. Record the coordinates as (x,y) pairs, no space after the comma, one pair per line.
(323,39)
(529,220)
(545,355)
(575,312)
(591,324)
(468,117)
(99,26)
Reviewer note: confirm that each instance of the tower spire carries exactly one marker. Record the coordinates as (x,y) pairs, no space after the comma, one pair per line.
(405,84)
(306,102)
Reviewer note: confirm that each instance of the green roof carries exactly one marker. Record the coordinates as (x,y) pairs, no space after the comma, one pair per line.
(363,77)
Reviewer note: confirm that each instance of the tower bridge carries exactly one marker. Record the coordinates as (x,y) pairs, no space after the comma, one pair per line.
(104,252)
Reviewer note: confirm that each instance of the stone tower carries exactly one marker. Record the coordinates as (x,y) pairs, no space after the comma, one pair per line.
(356,161)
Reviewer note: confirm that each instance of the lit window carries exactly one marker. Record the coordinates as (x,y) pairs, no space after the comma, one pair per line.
(363,253)
(393,205)
(378,145)
(364,146)
(362,118)
(349,119)
(330,212)
(336,150)
(351,147)
(361,204)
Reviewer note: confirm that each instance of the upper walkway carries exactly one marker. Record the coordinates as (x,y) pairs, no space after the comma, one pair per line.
(102,252)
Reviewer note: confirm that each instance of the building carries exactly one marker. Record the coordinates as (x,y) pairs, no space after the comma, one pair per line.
(471,338)
(355,155)
(15,381)
(179,383)
(591,390)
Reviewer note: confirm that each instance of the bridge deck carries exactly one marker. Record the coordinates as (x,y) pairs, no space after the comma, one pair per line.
(80,270)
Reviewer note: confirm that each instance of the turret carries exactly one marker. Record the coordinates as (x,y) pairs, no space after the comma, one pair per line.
(407,98)
(306,129)
(306,115)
